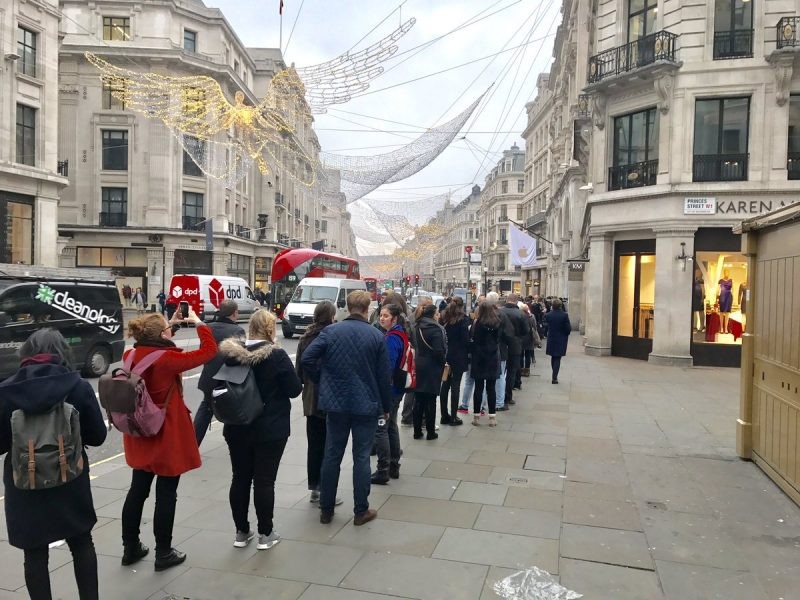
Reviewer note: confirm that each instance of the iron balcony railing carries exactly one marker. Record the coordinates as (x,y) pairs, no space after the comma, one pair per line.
(733,44)
(279,199)
(787,32)
(535,219)
(659,46)
(109,219)
(242,232)
(793,165)
(63,168)
(633,175)
(193,224)
(720,167)
(297,214)
(283,239)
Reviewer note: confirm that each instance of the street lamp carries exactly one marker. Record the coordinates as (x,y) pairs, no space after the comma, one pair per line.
(485,280)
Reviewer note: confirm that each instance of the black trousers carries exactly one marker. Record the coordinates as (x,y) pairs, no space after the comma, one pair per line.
(491,395)
(555,363)
(512,369)
(84,562)
(453,387)
(164,514)
(254,465)
(424,407)
(315,432)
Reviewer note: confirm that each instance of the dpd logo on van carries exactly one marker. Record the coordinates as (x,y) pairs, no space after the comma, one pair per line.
(216,293)
(75,308)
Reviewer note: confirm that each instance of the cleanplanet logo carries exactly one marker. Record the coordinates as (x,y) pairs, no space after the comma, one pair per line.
(75,308)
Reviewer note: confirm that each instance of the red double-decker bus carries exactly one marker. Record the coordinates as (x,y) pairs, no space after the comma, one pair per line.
(291,265)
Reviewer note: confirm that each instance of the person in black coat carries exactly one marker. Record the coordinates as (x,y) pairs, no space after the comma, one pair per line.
(223,327)
(519,330)
(256,449)
(429,362)
(485,350)
(558,330)
(36,518)
(456,326)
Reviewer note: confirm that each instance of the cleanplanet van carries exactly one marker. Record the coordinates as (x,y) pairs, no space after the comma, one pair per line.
(299,313)
(205,293)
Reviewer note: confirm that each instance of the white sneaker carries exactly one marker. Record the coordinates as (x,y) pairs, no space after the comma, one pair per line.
(243,538)
(265,542)
(314,498)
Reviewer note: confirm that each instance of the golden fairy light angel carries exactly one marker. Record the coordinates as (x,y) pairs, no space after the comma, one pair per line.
(224,139)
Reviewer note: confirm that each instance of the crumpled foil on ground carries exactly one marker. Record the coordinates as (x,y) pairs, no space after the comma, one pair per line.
(533,584)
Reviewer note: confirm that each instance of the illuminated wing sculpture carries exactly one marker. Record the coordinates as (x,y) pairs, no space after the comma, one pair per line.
(224,139)
(335,81)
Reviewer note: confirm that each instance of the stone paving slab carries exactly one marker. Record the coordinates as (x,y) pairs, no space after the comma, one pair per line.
(622,481)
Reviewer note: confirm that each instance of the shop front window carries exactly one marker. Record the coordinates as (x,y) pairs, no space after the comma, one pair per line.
(719,298)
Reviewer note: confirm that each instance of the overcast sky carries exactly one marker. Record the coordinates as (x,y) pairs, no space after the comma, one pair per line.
(326,28)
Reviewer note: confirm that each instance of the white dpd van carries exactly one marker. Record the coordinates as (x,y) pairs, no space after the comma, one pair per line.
(299,313)
(204,293)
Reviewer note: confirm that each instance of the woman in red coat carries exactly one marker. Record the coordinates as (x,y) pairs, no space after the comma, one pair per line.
(173,451)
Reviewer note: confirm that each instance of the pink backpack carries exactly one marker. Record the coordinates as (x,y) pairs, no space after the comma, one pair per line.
(124,395)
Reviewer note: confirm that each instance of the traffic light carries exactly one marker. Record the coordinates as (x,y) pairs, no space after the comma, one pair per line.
(408,279)
(416,279)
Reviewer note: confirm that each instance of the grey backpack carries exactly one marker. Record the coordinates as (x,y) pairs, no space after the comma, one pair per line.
(46,448)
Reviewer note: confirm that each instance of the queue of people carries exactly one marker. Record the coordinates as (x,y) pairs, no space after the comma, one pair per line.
(403,357)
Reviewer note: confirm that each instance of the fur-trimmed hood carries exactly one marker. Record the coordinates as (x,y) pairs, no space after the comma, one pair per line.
(248,352)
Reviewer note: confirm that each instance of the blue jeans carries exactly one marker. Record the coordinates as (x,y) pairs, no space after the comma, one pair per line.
(339,426)
(499,386)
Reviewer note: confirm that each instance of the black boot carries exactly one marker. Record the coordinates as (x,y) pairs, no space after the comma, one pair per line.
(394,471)
(134,553)
(380,478)
(171,559)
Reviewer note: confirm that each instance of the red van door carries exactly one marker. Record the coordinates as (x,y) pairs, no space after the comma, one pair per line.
(185,288)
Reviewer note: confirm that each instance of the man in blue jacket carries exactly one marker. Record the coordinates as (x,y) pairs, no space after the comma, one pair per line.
(352,364)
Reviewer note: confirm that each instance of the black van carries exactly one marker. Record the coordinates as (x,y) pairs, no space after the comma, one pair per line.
(84,306)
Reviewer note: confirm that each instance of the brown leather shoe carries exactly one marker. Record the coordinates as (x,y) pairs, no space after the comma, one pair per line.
(365,517)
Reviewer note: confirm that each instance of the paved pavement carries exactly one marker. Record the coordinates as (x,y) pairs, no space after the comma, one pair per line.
(622,480)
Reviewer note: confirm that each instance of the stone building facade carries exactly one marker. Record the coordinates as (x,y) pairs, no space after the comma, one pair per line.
(450,267)
(695,127)
(501,200)
(31,171)
(137,203)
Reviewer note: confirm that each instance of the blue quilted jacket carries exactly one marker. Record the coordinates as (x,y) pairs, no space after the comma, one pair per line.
(352,364)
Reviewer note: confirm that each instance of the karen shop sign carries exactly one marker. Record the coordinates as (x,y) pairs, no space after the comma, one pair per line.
(701,205)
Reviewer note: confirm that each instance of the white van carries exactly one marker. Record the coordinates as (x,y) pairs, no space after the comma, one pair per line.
(299,313)
(204,293)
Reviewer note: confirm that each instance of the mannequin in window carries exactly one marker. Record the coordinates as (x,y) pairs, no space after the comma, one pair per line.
(725,295)
(698,303)
(743,302)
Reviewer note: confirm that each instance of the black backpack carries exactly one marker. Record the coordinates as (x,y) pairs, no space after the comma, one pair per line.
(235,398)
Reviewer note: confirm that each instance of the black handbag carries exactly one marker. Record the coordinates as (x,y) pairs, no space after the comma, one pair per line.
(236,399)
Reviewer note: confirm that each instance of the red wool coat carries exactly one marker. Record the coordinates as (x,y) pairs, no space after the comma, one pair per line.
(174,450)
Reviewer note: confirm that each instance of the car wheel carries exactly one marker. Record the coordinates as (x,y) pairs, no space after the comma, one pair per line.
(98,359)
(288,334)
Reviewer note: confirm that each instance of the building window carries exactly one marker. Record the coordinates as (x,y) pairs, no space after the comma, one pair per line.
(520,211)
(323,226)
(189,40)
(197,147)
(116,29)
(26,48)
(16,237)
(26,135)
(520,185)
(235,66)
(114,207)
(793,162)
(501,262)
(111,102)
(641,18)
(192,211)
(115,150)
(503,237)
(733,29)
(720,139)
(504,187)
(635,150)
